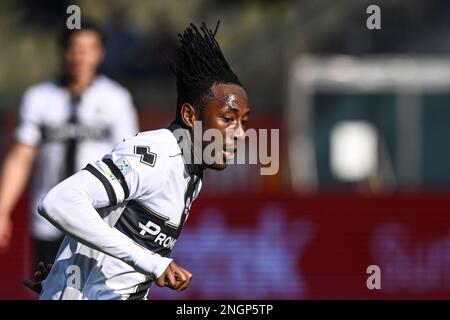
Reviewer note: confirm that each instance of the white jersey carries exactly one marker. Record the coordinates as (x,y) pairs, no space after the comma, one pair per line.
(50,120)
(142,192)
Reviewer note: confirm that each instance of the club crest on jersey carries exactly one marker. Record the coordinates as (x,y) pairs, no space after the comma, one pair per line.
(123,165)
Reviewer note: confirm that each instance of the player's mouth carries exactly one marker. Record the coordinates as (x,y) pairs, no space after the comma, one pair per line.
(229,155)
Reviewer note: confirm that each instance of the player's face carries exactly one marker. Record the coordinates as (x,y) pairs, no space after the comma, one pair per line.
(83,54)
(228,112)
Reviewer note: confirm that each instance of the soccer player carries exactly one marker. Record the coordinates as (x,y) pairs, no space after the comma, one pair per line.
(64,124)
(123,214)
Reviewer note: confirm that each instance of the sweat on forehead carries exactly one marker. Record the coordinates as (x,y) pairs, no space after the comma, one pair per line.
(231,101)
(229,94)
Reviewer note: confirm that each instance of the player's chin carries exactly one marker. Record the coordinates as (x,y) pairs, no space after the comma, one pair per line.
(219,162)
(218,166)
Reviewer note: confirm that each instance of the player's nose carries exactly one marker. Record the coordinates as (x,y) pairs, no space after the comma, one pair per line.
(239,132)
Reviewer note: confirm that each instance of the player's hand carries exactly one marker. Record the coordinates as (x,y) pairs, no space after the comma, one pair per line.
(39,275)
(5,232)
(175,277)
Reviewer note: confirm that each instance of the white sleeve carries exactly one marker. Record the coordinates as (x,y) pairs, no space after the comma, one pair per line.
(28,131)
(70,206)
(126,120)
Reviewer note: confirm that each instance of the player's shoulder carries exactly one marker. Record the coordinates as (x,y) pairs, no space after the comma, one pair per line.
(146,160)
(43,89)
(113,88)
(156,148)
(160,140)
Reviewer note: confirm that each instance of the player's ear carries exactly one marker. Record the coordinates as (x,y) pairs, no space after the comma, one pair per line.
(102,55)
(188,115)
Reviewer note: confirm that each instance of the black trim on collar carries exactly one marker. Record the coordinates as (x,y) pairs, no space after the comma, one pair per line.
(192,167)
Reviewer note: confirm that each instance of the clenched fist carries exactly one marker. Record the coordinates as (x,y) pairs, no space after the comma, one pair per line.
(175,277)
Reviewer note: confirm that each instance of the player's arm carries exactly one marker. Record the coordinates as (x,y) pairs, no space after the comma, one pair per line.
(70,206)
(13,179)
(17,166)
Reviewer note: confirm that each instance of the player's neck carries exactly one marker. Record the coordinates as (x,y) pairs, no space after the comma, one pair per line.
(77,85)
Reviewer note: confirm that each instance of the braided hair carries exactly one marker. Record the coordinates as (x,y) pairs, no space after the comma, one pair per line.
(200,64)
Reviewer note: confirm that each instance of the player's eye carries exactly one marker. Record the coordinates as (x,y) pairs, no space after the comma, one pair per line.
(227,119)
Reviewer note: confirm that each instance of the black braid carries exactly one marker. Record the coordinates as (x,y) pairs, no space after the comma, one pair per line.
(200,64)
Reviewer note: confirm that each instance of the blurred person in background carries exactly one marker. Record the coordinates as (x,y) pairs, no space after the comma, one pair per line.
(64,124)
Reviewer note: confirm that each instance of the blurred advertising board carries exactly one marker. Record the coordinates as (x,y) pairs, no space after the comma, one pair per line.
(285,246)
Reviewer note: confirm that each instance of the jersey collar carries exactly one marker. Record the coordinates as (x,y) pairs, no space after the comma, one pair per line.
(183,135)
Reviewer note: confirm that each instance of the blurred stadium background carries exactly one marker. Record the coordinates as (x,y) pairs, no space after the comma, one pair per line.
(364,130)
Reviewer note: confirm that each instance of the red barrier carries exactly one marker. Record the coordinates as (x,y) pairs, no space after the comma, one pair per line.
(15,262)
(279,247)
(290,247)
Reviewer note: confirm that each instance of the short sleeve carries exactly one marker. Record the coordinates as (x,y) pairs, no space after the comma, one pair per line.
(134,169)
(28,130)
